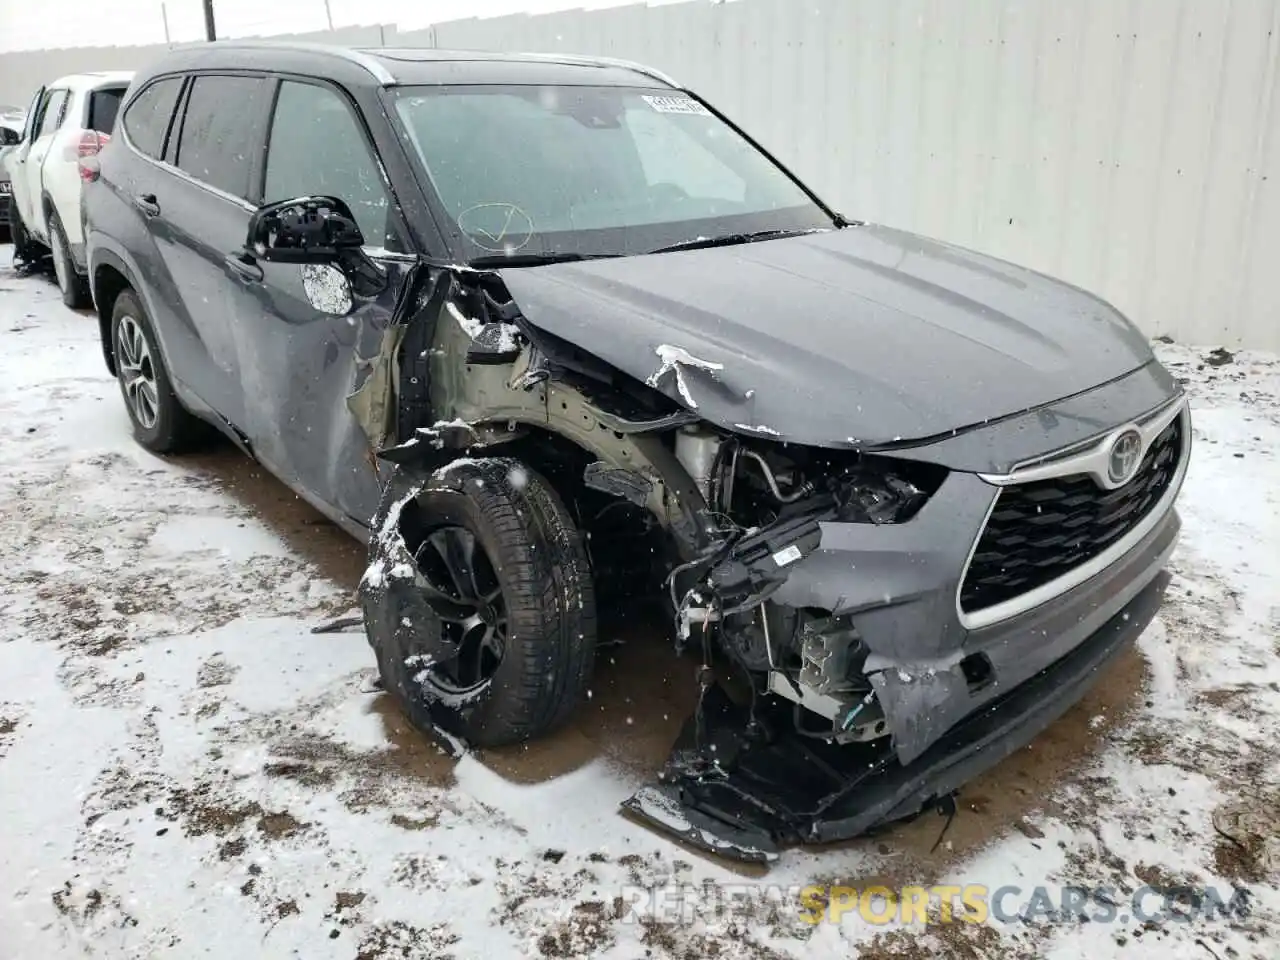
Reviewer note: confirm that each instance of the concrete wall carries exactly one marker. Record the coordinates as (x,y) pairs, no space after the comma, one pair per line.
(1129,146)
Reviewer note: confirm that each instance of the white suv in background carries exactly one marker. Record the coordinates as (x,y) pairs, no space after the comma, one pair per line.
(69,119)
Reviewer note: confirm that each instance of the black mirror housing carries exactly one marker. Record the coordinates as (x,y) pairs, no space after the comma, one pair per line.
(303,230)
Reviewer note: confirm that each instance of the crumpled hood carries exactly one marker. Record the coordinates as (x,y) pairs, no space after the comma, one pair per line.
(865,335)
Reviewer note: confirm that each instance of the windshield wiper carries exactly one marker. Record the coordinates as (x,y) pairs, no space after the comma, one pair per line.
(729,240)
(533,259)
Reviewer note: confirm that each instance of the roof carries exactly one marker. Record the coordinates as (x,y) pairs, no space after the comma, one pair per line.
(94,79)
(410,65)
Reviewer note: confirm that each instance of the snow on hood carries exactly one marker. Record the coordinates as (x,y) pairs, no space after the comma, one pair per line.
(865,335)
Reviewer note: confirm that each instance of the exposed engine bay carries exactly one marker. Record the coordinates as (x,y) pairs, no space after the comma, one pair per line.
(808,727)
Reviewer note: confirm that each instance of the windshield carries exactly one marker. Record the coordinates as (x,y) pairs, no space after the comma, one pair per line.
(528,171)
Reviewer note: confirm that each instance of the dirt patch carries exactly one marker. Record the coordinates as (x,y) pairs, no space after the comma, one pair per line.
(954,941)
(201,813)
(277,825)
(587,931)
(215,672)
(8,731)
(287,908)
(1248,838)
(307,774)
(401,941)
(345,911)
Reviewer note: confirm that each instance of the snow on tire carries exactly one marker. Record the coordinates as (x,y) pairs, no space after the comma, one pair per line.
(479,601)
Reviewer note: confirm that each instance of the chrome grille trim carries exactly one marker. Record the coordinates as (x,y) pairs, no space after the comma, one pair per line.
(1081,460)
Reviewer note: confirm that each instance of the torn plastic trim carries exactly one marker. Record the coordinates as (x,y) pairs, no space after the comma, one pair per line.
(769,789)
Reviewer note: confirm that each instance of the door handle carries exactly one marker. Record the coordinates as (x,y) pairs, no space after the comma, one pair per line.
(147,203)
(245,266)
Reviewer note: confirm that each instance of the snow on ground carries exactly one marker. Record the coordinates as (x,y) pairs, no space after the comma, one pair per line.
(185,769)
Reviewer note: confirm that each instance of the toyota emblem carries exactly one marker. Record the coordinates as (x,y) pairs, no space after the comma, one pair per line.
(1126,454)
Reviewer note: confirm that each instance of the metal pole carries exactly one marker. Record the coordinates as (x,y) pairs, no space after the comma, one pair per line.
(210,32)
(164,15)
(328,14)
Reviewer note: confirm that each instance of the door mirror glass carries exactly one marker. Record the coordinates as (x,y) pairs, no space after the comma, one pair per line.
(327,288)
(9,137)
(303,230)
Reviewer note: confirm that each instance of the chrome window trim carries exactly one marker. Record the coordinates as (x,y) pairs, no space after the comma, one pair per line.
(1073,464)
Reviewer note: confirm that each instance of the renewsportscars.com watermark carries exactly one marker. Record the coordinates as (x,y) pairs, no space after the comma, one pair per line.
(971,903)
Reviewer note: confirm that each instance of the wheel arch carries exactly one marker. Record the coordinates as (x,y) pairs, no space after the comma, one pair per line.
(109,277)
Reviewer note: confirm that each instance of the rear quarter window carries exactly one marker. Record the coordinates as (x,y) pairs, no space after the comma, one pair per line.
(103,107)
(223,131)
(147,118)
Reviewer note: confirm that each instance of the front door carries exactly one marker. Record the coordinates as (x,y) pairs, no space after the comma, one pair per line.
(53,107)
(301,351)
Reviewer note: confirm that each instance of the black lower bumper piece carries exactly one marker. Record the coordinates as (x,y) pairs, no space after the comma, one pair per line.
(745,787)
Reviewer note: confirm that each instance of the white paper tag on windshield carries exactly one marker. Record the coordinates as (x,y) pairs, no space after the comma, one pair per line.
(677,105)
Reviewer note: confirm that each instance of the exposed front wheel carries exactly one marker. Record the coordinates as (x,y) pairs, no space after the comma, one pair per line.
(491,634)
(24,248)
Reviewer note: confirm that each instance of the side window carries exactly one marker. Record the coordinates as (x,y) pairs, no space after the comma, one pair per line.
(103,106)
(316,148)
(146,119)
(54,103)
(33,117)
(220,132)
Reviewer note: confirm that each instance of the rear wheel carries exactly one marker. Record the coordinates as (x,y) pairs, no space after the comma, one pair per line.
(160,422)
(74,288)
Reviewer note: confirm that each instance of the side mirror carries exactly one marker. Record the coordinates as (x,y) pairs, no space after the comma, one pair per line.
(9,137)
(303,230)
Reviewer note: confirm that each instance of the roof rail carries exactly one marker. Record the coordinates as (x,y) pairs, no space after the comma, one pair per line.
(359,58)
(605,62)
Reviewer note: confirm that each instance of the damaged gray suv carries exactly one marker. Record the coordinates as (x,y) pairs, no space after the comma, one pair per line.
(552,334)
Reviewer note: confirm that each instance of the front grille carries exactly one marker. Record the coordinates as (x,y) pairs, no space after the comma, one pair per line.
(1040,530)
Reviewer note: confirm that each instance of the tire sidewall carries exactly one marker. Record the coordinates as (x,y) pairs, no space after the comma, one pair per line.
(61,258)
(158,437)
(453,506)
(74,294)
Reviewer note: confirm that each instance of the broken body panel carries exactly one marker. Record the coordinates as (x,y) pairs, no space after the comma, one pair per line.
(934,701)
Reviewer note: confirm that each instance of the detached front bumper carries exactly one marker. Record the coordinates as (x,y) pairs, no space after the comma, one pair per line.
(770,794)
(955,700)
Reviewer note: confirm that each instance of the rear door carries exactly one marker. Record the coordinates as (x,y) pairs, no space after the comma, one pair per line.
(200,217)
(301,363)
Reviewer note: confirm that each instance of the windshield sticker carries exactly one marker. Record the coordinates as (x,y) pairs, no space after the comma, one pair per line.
(677,105)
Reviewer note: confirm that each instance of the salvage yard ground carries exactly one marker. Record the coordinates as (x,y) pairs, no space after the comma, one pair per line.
(186,770)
